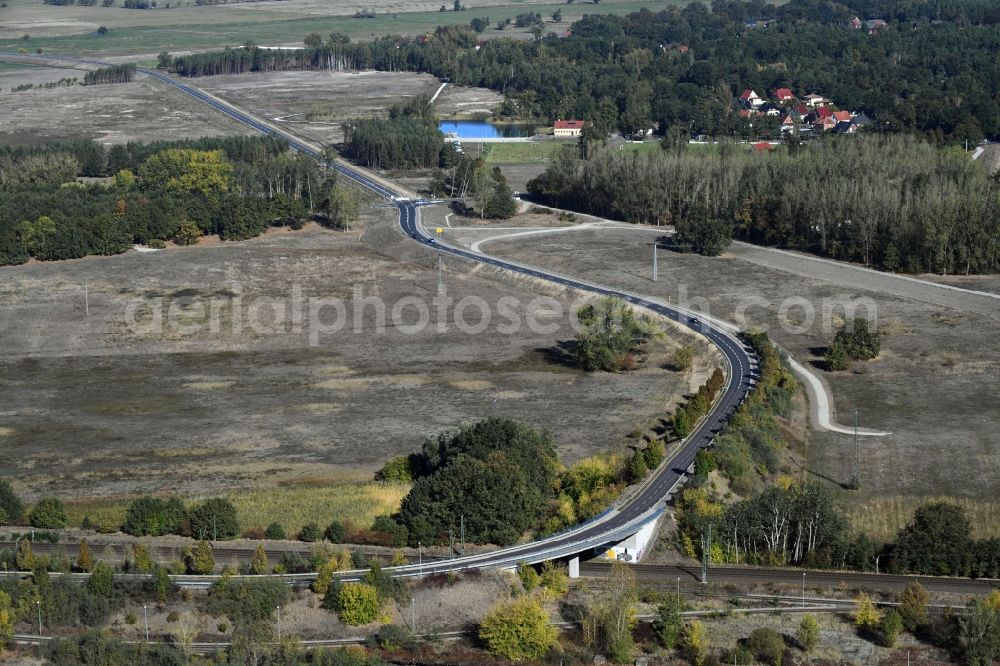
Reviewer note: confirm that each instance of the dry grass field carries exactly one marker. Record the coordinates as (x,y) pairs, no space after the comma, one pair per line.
(97,407)
(933,387)
(181,25)
(143,110)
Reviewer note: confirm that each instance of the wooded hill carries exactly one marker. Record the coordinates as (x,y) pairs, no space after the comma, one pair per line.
(892,202)
(930,69)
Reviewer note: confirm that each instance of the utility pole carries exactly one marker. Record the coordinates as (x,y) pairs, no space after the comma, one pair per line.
(440,276)
(678,591)
(38,605)
(420,558)
(451,542)
(654,260)
(463,535)
(803,589)
(857,454)
(413,614)
(279,623)
(706,547)
(86,299)
(145,618)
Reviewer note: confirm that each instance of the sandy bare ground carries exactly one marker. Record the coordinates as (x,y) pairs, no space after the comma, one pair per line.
(143,110)
(100,406)
(315,104)
(929,388)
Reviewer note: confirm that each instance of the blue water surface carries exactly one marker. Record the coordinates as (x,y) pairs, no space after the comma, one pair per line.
(480,129)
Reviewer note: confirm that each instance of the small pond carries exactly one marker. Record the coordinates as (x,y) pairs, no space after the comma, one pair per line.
(480,129)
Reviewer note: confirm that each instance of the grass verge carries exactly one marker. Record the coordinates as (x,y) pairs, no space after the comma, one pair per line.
(882,517)
(522,153)
(357,502)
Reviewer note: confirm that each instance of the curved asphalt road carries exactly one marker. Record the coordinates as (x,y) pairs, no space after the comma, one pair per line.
(644,505)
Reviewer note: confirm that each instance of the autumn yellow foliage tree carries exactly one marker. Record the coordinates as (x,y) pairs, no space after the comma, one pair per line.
(693,642)
(518,630)
(867,617)
(6,620)
(84,558)
(204,172)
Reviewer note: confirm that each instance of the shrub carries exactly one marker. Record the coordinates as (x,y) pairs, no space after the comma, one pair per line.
(913,606)
(683,358)
(358,604)
(891,627)
(130,618)
(309,533)
(396,534)
(173,616)
(518,630)
(200,560)
(335,532)
(259,564)
(153,516)
(214,519)
(24,558)
(554,578)
(767,645)
(654,454)
(669,623)
(11,508)
(274,531)
(188,233)
(393,637)
(49,513)
(528,575)
(247,601)
(866,617)
(101,581)
(808,633)
(611,332)
(162,586)
(637,467)
(143,560)
(84,558)
(400,469)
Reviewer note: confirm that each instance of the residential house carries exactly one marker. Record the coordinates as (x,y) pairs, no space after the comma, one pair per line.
(814,100)
(845,127)
(825,124)
(874,25)
(800,109)
(854,23)
(842,116)
(824,112)
(568,127)
(783,95)
(769,109)
(861,120)
(751,99)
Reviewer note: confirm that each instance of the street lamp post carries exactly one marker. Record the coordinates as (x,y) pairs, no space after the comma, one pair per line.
(145,619)
(38,605)
(678,590)
(803,589)
(279,623)
(420,558)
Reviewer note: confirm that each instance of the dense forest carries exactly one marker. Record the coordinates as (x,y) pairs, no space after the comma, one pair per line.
(930,69)
(114,74)
(408,138)
(891,202)
(234,187)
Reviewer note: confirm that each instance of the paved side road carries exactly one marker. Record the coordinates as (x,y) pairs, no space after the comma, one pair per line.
(866,279)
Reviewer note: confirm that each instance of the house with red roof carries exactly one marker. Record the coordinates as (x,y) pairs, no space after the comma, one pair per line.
(824,112)
(783,95)
(762,146)
(825,124)
(842,116)
(568,127)
(750,98)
